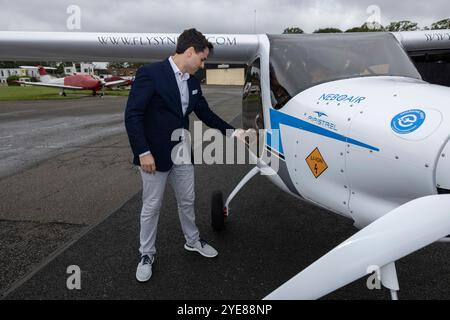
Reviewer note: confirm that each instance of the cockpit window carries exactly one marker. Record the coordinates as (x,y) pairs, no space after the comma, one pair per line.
(298,62)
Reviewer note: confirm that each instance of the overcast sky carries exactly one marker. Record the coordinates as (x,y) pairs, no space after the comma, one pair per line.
(213,16)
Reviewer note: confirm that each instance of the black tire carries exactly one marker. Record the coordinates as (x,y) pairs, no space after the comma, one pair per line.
(217,211)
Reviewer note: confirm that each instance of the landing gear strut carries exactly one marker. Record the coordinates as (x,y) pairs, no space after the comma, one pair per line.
(219,211)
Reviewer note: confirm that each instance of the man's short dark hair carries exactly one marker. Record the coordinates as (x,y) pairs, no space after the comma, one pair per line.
(193,38)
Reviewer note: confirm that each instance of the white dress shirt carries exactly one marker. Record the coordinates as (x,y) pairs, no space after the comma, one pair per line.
(182,79)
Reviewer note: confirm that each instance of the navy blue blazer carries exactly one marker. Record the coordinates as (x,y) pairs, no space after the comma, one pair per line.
(154,111)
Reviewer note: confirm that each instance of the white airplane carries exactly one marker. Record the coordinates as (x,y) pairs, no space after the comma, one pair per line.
(355,128)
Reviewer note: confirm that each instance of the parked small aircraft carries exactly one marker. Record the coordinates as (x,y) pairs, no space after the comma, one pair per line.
(74,82)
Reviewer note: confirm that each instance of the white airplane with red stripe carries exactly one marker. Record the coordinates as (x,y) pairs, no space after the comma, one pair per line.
(73,82)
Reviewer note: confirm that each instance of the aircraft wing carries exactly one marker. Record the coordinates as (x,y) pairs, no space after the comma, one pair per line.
(231,48)
(35,67)
(400,232)
(115,83)
(422,42)
(141,47)
(98,46)
(42,84)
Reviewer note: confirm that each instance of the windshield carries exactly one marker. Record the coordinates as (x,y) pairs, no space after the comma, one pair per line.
(298,62)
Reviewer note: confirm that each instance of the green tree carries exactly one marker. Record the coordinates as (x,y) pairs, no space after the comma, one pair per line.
(328,30)
(404,25)
(367,27)
(118,65)
(293,30)
(11,80)
(30,63)
(60,69)
(442,24)
(7,64)
(354,29)
(136,65)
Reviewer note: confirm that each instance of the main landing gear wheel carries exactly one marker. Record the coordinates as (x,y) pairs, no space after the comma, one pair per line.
(218,211)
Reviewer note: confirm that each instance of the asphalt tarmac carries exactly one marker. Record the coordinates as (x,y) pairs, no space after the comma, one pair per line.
(92,221)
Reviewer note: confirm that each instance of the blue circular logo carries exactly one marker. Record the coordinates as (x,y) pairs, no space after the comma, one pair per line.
(408,121)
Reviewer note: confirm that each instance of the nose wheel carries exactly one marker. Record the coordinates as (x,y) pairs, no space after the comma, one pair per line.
(218,211)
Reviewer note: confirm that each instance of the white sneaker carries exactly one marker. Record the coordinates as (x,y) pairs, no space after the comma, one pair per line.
(202,247)
(144,269)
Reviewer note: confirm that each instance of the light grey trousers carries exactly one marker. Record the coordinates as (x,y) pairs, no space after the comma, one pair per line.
(181,178)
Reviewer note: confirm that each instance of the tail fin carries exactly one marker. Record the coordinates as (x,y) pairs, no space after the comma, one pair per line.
(43,75)
(42,71)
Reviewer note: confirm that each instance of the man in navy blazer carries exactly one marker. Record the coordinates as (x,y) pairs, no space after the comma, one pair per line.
(160,101)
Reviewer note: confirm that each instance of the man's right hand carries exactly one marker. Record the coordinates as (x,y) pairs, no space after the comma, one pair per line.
(148,163)
(246,136)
